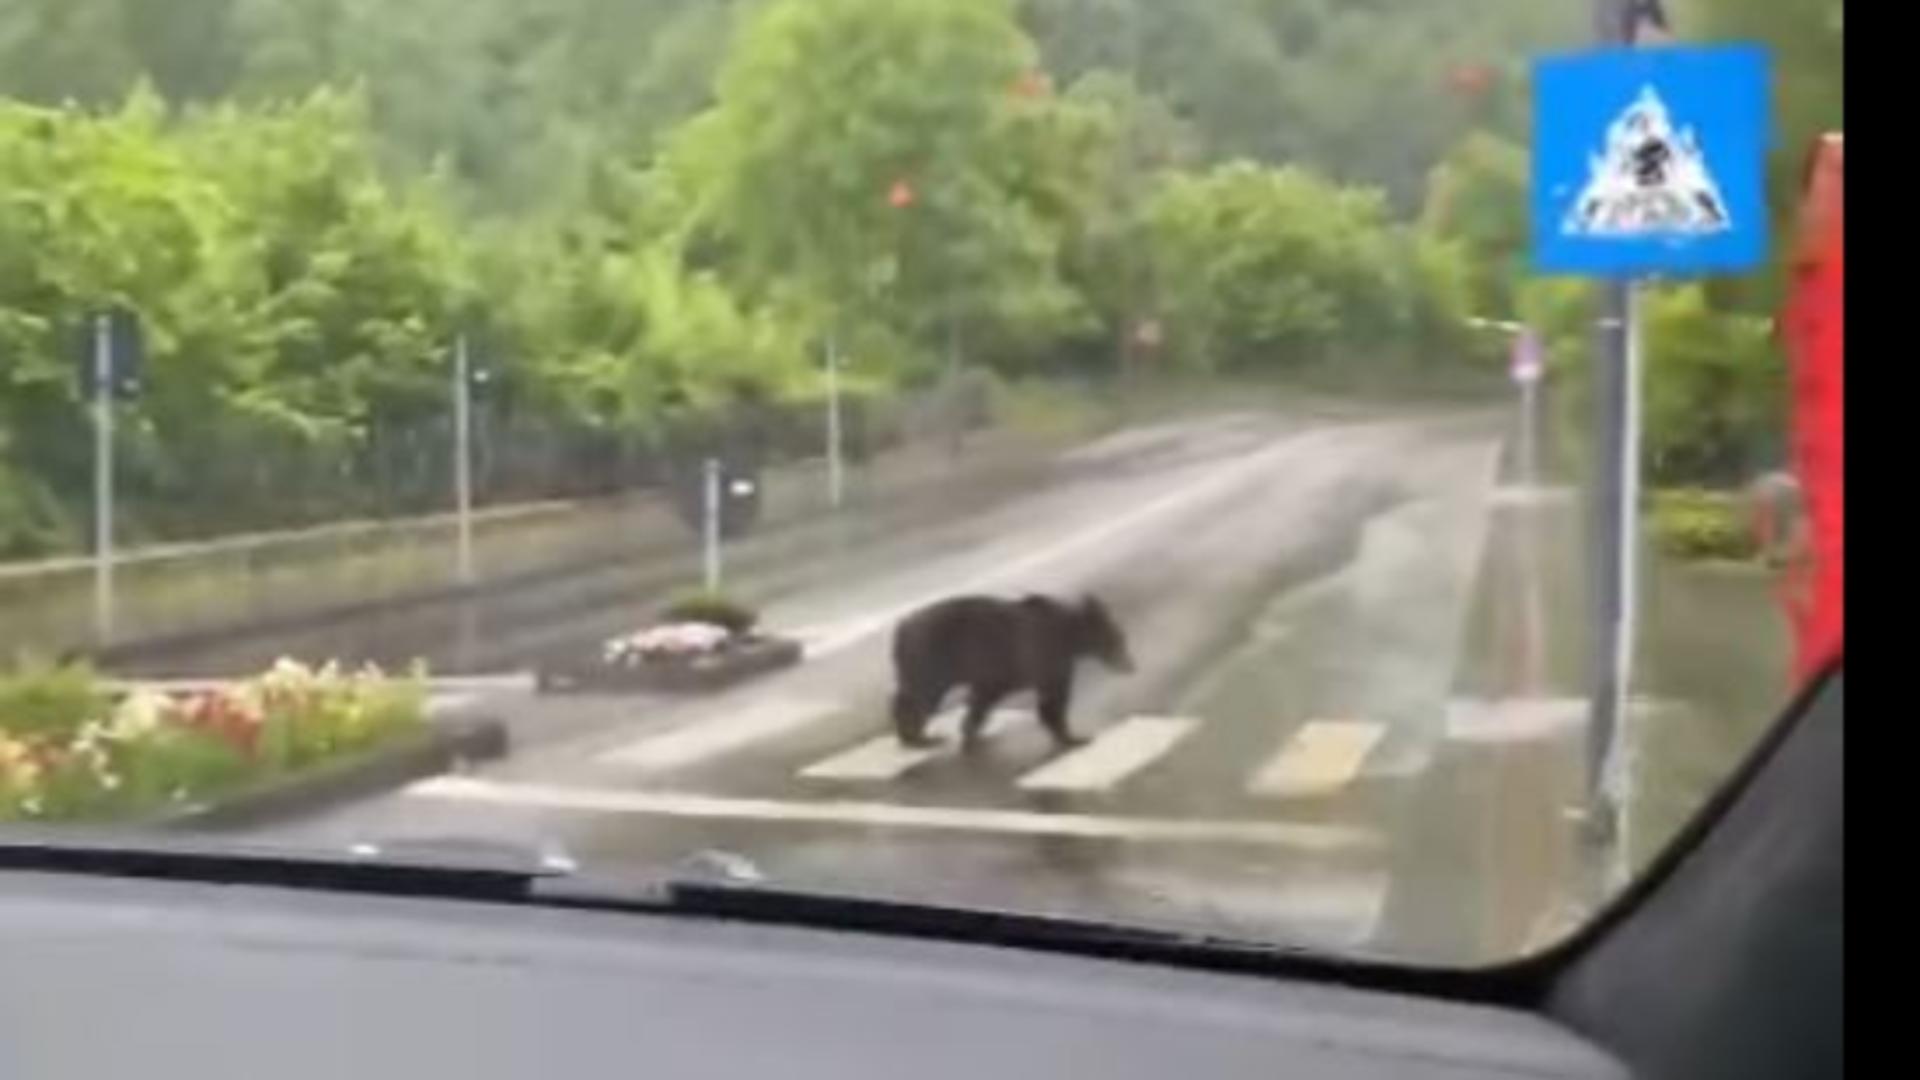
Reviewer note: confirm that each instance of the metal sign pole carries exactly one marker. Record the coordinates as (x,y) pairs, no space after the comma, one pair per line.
(1646,163)
(463,456)
(836,470)
(1627,544)
(103,479)
(710,525)
(1617,516)
(1529,436)
(1612,520)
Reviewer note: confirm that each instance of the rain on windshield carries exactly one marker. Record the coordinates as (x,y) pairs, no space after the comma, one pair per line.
(1103,458)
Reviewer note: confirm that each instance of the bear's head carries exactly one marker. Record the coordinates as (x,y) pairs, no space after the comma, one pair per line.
(1100,637)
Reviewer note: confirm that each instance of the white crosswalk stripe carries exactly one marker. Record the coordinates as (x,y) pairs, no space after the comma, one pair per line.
(707,739)
(1111,757)
(1320,759)
(883,758)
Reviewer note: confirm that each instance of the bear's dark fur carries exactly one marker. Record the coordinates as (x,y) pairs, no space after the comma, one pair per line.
(995,648)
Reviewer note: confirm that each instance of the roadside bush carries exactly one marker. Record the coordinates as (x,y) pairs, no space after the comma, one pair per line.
(1716,389)
(32,522)
(715,609)
(1047,410)
(1696,524)
(43,700)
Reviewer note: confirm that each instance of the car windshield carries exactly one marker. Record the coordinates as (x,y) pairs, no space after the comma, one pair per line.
(1345,474)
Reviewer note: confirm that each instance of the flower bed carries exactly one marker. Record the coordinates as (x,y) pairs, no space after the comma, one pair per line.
(73,750)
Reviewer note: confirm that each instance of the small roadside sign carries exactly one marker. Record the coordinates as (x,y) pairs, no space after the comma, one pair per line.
(1650,161)
(1528,363)
(118,332)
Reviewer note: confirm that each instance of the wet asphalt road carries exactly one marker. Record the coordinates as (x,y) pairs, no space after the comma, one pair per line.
(1292,761)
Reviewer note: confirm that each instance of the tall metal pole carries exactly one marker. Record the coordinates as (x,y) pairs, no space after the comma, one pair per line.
(1130,321)
(463,455)
(710,525)
(836,467)
(1617,502)
(1533,669)
(103,479)
(956,399)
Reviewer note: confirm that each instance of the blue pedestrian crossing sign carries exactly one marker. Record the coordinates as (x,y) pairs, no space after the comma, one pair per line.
(1650,162)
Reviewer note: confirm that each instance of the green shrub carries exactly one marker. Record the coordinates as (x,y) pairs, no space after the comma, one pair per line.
(1695,524)
(39,699)
(713,608)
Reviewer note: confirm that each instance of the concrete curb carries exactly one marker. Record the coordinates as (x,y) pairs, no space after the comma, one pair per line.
(444,748)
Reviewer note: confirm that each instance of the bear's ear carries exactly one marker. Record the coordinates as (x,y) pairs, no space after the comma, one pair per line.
(1091,606)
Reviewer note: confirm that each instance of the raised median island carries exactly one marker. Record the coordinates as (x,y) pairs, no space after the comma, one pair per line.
(701,643)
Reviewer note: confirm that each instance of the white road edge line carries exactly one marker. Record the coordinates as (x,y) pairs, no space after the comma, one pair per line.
(859,629)
(1311,838)
(1113,755)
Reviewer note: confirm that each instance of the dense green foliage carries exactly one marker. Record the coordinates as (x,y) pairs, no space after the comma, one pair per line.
(647,212)
(1693,524)
(1279,267)
(716,608)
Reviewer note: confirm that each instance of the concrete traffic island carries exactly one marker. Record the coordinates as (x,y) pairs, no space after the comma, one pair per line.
(728,665)
(703,642)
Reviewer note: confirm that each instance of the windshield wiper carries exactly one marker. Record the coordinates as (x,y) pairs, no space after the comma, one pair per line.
(490,872)
(707,885)
(753,901)
(749,899)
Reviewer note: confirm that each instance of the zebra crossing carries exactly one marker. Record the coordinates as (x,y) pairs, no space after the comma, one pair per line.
(1321,758)
(1316,759)
(1116,754)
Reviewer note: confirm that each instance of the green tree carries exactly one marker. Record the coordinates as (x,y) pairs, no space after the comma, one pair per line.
(106,212)
(1805,41)
(1275,268)
(1478,196)
(1715,389)
(852,155)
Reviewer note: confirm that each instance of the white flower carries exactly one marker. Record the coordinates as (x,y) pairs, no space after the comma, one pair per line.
(287,675)
(139,713)
(87,739)
(669,639)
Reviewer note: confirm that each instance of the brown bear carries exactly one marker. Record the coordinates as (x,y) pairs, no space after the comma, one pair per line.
(994,648)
